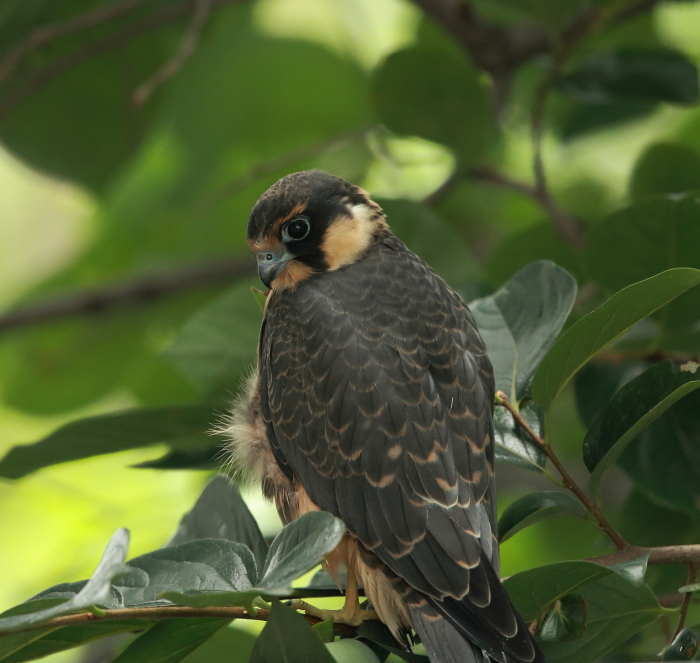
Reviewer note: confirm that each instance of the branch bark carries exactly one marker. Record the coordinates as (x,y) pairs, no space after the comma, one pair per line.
(687,554)
(138,291)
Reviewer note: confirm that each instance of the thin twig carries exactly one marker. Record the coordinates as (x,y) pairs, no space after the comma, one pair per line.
(48,33)
(45,75)
(687,554)
(202,9)
(692,572)
(141,290)
(569,483)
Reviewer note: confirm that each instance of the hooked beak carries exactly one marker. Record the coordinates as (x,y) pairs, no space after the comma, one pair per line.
(270,264)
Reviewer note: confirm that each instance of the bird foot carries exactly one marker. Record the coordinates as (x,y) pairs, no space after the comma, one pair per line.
(350,615)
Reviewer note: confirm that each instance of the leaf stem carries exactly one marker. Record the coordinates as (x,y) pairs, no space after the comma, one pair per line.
(569,483)
(692,573)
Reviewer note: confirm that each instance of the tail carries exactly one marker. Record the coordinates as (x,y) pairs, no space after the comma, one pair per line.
(443,642)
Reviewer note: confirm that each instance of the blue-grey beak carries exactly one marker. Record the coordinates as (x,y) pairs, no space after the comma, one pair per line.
(270,264)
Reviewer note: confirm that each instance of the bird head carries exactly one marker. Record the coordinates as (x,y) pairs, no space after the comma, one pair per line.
(311,222)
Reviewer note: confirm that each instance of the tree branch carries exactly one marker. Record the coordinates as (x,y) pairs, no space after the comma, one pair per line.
(141,290)
(48,33)
(202,9)
(569,483)
(687,554)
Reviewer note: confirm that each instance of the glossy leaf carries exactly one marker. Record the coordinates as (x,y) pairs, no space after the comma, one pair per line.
(665,168)
(600,327)
(218,343)
(513,444)
(685,647)
(535,507)
(95,592)
(299,547)
(521,320)
(632,409)
(348,650)
(615,608)
(183,426)
(204,565)
(229,645)
(221,513)
(171,640)
(638,74)
(435,95)
(634,570)
(288,637)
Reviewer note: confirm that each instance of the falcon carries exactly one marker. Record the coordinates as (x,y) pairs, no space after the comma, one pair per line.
(372,399)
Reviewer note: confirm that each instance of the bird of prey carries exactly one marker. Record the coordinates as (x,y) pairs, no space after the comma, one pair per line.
(372,399)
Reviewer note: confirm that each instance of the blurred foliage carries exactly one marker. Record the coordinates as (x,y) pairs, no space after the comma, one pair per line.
(136,141)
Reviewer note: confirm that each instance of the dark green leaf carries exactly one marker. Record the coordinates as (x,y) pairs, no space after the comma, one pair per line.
(664,460)
(665,168)
(213,565)
(536,507)
(634,570)
(638,74)
(324,630)
(69,637)
(299,547)
(186,459)
(96,592)
(435,95)
(593,332)
(187,426)
(288,637)
(348,650)
(632,409)
(565,621)
(218,343)
(685,647)
(583,118)
(378,632)
(520,322)
(208,599)
(171,640)
(221,513)
(647,238)
(513,444)
(17,641)
(616,609)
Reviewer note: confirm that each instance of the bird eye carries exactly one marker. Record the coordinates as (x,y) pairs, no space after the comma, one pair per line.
(296,229)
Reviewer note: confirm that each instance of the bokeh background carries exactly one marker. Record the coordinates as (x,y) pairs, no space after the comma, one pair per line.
(97,190)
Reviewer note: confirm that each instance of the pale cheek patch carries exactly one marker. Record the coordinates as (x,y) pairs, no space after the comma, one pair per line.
(348,237)
(293,273)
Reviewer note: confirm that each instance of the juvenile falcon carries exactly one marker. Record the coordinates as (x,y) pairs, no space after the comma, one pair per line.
(373,400)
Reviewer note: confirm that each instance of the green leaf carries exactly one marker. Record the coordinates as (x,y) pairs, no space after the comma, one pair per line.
(520,322)
(288,637)
(513,444)
(634,570)
(96,592)
(187,426)
(208,458)
(324,630)
(565,621)
(583,118)
(209,599)
(213,565)
(594,331)
(299,547)
(664,460)
(534,508)
(616,608)
(16,642)
(432,94)
(377,632)
(632,409)
(690,588)
(218,343)
(260,297)
(685,647)
(637,74)
(229,645)
(647,238)
(69,637)
(221,513)
(171,640)
(665,168)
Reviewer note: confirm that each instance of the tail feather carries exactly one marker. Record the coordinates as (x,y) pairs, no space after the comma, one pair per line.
(443,642)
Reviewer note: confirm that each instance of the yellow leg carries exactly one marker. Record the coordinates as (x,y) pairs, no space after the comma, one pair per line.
(351,613)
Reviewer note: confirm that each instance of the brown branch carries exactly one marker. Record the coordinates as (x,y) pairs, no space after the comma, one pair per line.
(686,554)
(692,572)
(116,41)
(141,290)
(48,33)
(569,483)
(202,9)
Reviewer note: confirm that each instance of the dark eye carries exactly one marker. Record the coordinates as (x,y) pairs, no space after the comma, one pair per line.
(296,229)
